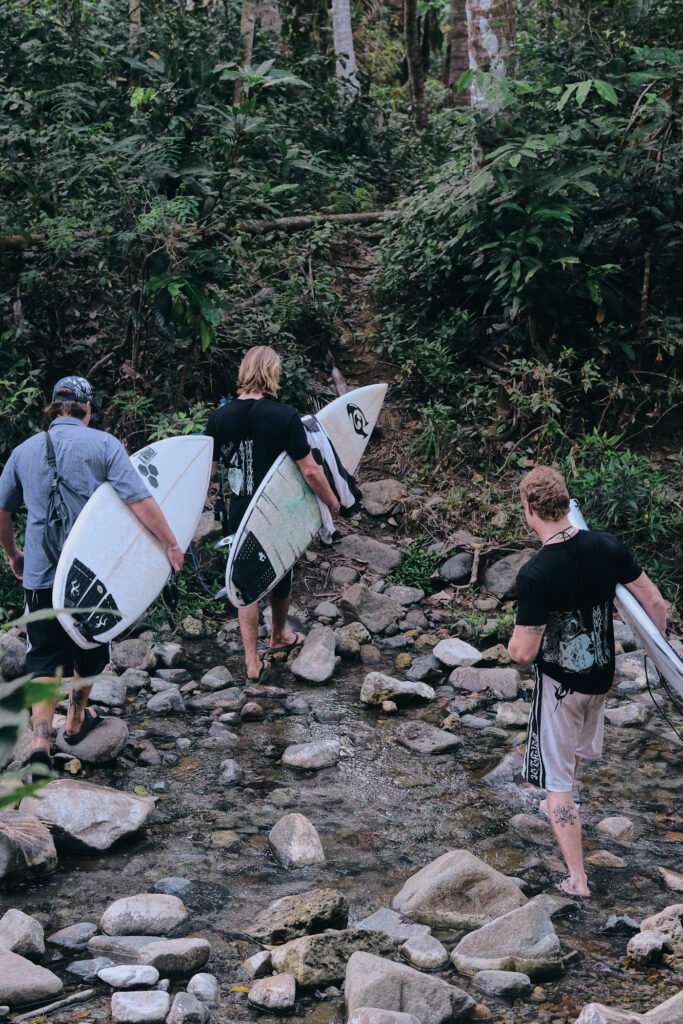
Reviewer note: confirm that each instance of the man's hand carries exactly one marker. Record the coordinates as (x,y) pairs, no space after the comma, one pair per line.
(175,557)
(17,564)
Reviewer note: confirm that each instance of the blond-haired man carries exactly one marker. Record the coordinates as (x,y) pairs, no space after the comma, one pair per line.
(248,435)
(565,629)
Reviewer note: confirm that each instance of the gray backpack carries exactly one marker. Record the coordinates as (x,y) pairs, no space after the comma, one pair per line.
(63,507)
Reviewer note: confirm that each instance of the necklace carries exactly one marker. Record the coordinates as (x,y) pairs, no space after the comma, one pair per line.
(566,534)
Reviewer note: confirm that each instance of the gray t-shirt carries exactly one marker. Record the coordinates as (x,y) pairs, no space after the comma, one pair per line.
(85,458)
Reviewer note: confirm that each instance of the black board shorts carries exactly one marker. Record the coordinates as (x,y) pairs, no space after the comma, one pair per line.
(51,652)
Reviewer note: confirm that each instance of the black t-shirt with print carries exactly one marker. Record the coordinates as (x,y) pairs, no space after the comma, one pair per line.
(569,588)
(249,434)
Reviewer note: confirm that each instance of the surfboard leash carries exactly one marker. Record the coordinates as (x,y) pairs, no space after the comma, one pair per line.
(674,698)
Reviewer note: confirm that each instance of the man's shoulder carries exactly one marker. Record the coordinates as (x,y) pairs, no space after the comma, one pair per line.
(29,446)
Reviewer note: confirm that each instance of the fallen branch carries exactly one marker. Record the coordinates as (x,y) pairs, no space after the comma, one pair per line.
(257,227)
(77,997)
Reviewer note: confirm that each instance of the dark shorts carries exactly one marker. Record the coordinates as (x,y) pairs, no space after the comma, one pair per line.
(50,651)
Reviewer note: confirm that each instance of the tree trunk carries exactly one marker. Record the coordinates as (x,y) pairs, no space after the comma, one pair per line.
(411,35)
(247,27)
(134,25)
(458,59)
(343,48)
(270,18)
(491,37)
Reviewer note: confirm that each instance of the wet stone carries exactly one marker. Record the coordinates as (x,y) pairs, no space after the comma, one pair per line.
(378,687)
(94,816)
(395,926)
(672,879)
(174,885)
(277,993)
(258,965)
(321,959)
(513,714)
(376,982)
(627,715)
(620,828)
(74,937)
(231,773)
(508,984)
(295,842)
(24,982)
(103,744)
(316,661)
(230,699)
(370,1015)
(621,924)
(216,678)
(427,739)
(169,654)
(205,987)
(523,940)
(458,568)
(605,859)
(370,655)
(293,916)
(140,1007)
(310,756)
(425,952)
(168,702)
(425,668)
(176,956)
(177,676)
(129,976)
(87,970)
(187,1009)
(454,653)
(121,948)
(110,690)
(133,654)
(145,913)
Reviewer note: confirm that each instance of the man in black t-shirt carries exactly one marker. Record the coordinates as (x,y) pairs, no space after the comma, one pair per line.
(249,434)
(565,629)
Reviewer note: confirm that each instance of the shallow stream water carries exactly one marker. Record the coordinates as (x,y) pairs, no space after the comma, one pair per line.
(382,813)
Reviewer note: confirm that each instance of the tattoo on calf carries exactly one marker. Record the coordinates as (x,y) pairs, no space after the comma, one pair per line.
(565,814)
(41,730)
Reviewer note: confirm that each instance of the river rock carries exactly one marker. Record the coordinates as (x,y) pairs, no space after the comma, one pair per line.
(277,993)
(129,976)
(169,654)
(74,937)
(147,913)
(187,1009)
(375,611)
(110,690)
(382,984)
(377,688)
(380,558)
(231,773)
(667,924)
(87,970)
(508,984)
(12,657)
(321,959)
(508,769)
(425,667)
(596,1013)
(302,914)
(26,845)
(133,654)
(395,926)
(672,879)
(425,952)
(370,654)
(646,947)
(512,714)
(295,842)
(217,678)
(458,890)
(380,496)
(230,699)
(168,702)
(258,965)
(627,715)
(426,739)
(23,982)
(104,743)
(22,934)
(121,948)
(315,662)
(605,859)
(504,683)
(404,595)
(205,987)
(501,577)
(135,678)
(173,885)
(309,756)
(533,829)
(458,568)
(176,956)
(370,1015)
(619,828)
(348,639)
(523,940)
(140,1007)
(94,816)
(454,653)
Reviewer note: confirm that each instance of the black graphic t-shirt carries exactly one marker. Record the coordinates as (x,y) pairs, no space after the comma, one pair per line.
(569,588)
(249,434)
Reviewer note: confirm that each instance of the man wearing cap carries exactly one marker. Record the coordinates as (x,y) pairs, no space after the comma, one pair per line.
(85,459)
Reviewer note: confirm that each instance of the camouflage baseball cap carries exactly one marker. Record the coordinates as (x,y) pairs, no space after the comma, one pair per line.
(72,389)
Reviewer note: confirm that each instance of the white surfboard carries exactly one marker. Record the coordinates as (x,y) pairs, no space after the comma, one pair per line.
(283,516)
(110,561)
(634,615)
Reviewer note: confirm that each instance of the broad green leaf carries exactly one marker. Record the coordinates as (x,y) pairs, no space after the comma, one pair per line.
(606,91)
(564,98)
(582,90)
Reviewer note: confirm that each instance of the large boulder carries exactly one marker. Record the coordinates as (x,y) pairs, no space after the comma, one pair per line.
(315,663)
(380,558)
(86,814)
(380,496)
(458,890)
(375,611)
(501,577)
(103,744)
(295,842)
(23,982)
(321,959)
(385,985)
(26,846)
(302,914)
(377,688)
(148,913)
(523,940)
(22,934)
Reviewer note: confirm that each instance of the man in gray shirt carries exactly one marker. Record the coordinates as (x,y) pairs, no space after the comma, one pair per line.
(85,458)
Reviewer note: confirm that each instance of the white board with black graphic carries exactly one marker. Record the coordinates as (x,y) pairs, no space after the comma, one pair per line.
(283,516)
(110,561)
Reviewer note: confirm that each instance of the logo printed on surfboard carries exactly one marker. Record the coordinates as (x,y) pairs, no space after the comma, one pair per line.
(146,468)
(359,420)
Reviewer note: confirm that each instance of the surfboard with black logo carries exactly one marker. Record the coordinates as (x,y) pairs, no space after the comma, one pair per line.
(283,517)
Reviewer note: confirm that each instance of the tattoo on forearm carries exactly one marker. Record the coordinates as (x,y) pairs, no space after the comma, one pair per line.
(41,730)
(565,814)
(534,629)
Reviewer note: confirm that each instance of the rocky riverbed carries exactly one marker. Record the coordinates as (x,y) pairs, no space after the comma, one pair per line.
(351,828)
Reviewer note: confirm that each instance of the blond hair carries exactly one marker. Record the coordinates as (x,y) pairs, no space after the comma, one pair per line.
(260,371)
(545,491)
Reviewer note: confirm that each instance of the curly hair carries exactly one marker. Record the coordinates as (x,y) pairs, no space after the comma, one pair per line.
(545,491)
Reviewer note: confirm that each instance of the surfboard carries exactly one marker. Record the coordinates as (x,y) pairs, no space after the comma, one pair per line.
(110,562)
(656,646)
(283,516)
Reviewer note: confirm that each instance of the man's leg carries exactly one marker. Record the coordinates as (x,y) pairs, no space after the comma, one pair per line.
(78,701)
(564,818)
(248,618)
(42,715)
(280,600)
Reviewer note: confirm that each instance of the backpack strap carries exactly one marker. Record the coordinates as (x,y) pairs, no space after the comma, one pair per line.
(50,452)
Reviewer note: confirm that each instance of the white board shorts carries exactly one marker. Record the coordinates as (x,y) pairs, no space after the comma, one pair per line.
(559,732)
